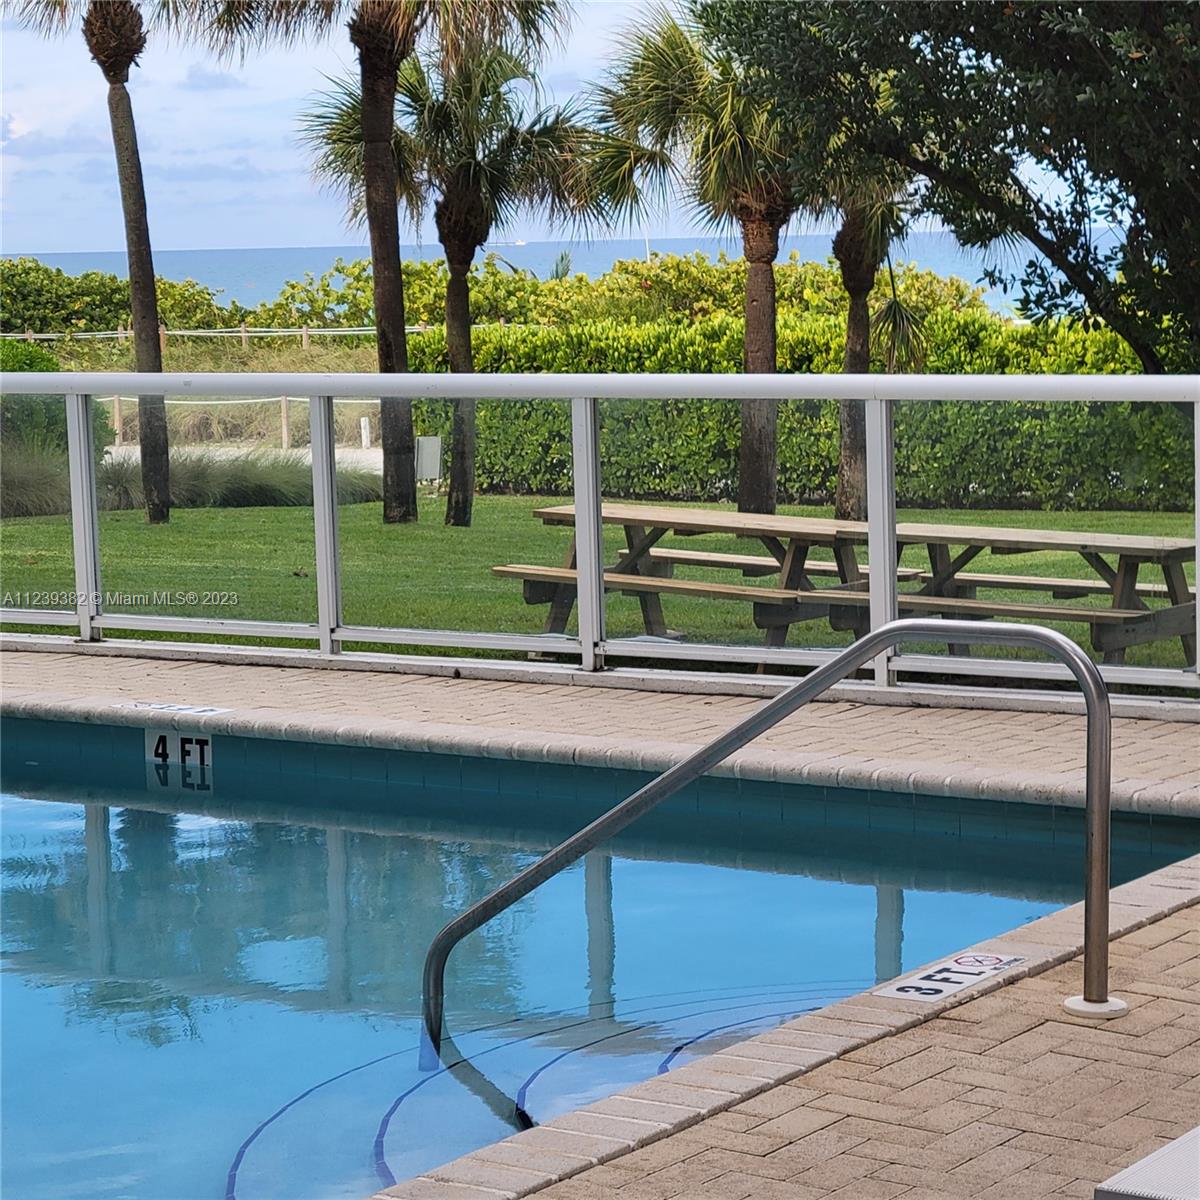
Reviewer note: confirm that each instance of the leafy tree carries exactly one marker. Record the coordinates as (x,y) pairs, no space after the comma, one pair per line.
(384,34)
(115,33)
(675,110)
(468,141)
(1026,120)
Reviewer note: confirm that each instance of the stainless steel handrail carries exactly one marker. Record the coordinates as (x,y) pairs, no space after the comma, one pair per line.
(1095,1000)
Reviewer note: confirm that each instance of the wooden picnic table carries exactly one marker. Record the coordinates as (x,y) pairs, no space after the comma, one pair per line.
(645,568)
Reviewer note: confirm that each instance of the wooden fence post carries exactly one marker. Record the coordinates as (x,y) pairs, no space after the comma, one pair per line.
(117,417)
(286,435)
(245,337)
(162,339)
(305,341)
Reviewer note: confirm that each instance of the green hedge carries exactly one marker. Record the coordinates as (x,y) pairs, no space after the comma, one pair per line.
(1054,456)
(40,421)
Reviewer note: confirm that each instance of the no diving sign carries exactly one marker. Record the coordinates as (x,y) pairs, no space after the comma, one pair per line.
(953,975)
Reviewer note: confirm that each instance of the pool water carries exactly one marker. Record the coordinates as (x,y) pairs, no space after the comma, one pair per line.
(211,981)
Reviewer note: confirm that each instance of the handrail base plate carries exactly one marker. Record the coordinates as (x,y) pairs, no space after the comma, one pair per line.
(1097,1010)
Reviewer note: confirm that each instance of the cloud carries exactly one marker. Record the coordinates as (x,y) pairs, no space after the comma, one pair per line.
(237,170)
(36,144)
(200,78)
(95,171)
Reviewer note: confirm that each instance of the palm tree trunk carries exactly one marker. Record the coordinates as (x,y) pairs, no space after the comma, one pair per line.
(757,457)
(461,497)
(115,37)
(859,262)
(379,59)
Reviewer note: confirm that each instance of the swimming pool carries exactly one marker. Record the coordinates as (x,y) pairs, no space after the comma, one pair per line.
(211,978)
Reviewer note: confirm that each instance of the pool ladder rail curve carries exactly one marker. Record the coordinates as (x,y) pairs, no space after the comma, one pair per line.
(1095,1001)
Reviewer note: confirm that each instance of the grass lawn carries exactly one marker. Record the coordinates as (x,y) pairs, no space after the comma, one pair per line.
(259,563)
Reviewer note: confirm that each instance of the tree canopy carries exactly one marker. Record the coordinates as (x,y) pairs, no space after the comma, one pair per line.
(1073,126)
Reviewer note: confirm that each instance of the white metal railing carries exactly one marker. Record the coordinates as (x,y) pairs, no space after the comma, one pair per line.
(591,645)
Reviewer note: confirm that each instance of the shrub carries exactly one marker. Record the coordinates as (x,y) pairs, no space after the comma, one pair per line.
(204,479)
(34,481)
(41,420)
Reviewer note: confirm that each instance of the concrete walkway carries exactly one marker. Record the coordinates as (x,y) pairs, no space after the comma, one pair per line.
(1005,755)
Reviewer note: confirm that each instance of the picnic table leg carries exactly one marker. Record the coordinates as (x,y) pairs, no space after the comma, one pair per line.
(650,602)
(1179,593)
(1124,596)
(564,598)
(940,564)
(791,576)
(846,557)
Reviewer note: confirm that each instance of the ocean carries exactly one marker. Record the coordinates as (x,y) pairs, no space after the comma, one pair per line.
(251,276)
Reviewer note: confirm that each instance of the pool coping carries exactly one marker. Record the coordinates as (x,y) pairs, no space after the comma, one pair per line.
(811,768)
(529,1162)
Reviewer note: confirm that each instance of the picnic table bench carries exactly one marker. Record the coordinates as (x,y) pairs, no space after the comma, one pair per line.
(645,569)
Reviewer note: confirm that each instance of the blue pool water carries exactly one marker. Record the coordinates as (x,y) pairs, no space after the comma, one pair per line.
(211,982)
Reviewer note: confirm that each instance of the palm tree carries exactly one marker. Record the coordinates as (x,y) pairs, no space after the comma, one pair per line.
(674,109)
(384,34)
(872,215)
(468,139)
(115,33)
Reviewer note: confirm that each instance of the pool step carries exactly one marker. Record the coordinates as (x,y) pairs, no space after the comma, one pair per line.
(1170,1173)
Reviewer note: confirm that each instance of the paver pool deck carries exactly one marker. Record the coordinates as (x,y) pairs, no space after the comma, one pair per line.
(1002,755)
(995,1092)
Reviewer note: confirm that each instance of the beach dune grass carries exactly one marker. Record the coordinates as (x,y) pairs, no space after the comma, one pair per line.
(34,480)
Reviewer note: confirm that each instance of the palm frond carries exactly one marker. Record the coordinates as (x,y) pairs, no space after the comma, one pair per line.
(238,25)
(673,108)
(46,16)
(470,141)
(52,17)
(331,128)
(899,333)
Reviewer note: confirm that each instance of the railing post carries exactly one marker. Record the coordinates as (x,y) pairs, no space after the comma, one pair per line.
(85,532)
(589,535)
(325,521)
(881,524)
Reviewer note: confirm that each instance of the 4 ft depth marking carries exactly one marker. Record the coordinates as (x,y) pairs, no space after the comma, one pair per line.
(179,761)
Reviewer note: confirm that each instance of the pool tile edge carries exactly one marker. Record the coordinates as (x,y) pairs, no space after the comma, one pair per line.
(1043,944)
(1178,798)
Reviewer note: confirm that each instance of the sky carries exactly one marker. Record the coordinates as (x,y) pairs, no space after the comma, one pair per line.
(222,160)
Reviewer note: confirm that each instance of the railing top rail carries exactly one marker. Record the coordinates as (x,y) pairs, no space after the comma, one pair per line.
(1161,389)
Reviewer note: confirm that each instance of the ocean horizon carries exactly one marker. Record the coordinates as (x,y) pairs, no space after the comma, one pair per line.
(253,275)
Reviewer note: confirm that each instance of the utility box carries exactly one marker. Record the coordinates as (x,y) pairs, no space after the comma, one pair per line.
(429,459)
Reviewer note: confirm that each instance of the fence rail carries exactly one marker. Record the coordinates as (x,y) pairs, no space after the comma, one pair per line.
(591,646)
(244,332)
